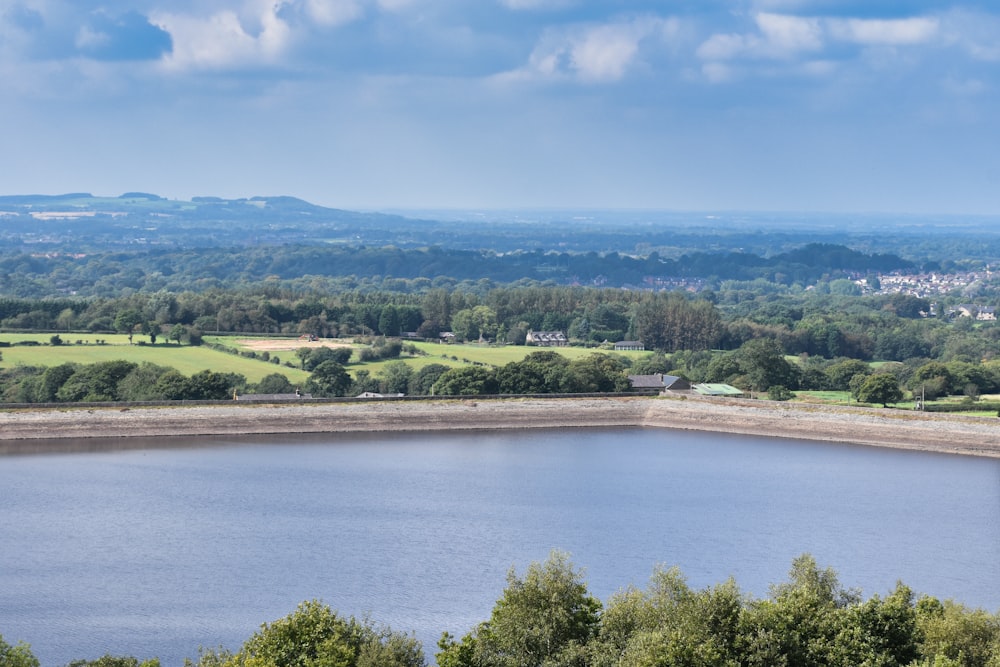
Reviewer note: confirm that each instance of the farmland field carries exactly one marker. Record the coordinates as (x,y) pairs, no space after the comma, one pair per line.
(84,349)
(449,354)
(185,358)
(498,356)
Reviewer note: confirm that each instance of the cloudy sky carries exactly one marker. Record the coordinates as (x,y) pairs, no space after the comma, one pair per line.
(774,105)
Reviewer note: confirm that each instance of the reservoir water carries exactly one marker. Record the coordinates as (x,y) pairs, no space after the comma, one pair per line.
(189,543)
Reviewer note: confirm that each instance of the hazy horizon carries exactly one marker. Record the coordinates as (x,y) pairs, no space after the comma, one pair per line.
(723,105)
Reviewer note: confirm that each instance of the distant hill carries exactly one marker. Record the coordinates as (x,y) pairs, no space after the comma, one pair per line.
(676,243)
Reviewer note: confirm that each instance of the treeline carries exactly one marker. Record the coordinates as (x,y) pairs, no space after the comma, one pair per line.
(124,381)
(389,267)
(887,328)
(703,337)
(547,617)
(541,372)
(674,320)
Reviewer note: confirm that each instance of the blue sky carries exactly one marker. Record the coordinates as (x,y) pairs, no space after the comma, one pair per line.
(774,105)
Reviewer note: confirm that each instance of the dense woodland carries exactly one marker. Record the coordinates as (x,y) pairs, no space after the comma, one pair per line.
(546,617)
(306,268)
(743,335)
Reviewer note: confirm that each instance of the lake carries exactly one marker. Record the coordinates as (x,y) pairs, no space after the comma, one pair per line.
(196,542)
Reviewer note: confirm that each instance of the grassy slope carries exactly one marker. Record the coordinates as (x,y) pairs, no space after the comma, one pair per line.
(498,356)
(186,359)
(447,354)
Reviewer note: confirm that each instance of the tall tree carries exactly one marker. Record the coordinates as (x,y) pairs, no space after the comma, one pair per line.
(880,388)
(329,379)
(763,363)
(314,635)
(540,618)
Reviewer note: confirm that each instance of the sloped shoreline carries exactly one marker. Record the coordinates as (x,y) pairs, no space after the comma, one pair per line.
(93,429)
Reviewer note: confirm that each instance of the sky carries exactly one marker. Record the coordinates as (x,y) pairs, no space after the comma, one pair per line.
(711,105)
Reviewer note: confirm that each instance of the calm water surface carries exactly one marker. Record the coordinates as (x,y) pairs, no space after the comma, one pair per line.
(157,552)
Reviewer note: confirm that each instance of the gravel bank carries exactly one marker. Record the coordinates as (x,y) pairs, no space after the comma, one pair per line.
(35,431)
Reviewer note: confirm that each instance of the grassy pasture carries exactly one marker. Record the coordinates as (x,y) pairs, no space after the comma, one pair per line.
(189,360)
(451,354)
(186,359)
(499,356)
(816,396)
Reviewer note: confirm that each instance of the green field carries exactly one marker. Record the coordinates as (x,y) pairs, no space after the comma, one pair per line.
(186,359)
(83,349)
(449,354)
(498,356)
(833,397)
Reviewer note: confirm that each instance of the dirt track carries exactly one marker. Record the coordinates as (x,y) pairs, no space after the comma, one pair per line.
(27,431)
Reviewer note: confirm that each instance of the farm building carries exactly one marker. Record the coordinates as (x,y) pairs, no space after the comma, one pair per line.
(546,339)
(659,381)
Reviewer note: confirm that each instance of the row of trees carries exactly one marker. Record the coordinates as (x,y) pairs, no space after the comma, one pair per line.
(120,381)
(547,618)
(758,366)
(761,363)
(890,328)
(541,372)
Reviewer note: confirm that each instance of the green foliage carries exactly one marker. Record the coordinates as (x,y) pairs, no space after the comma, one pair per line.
(178,332)
(207,657)
(597,372)
(933,378)
(329,379)
(140,383)
(19,655)
(841,372)
(115,661)
(656,363)
(779,393)
(670,624)
(315,636)
(96,382)
(541,372)
(949,630)
(395,378)
(275,383)
(880,388)
(212,386)
(479,322)
(763,364)
(466,381)
(313,357)
(673,322)
(423,379)
(127,320)
(546,617)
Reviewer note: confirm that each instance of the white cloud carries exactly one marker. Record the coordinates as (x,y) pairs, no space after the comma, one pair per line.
(604,53)
(964,87)
(535,4)
(723,47)
(779,36)
(592,53)
(887,32)
(395,5)
(789,35)
(716,72)
(87,38)
(223,40)
(332,12)
(974,32)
